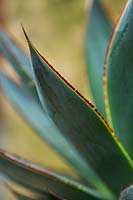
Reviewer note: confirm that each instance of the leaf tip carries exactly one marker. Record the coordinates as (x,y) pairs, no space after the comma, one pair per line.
(26,36)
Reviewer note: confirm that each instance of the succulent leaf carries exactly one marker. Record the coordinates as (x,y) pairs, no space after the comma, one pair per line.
(82,124)
(98,32)
(21,98)
(72,124)
(42,181)
(10,49)
(20,196)
(118,79)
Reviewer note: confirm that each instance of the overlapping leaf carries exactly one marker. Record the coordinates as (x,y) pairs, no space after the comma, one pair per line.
(118,79)
(20,196)
(82,124)
(98,32)
(29,108)
(14,54)
(42,181)
(26,97)
(89,131)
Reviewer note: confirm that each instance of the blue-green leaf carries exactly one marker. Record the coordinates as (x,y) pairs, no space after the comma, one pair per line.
(98,32)
(28,106)
(119,78)
(20,196)
(14,54)
(21,98)
(82,124)
(42,181)
(34,196)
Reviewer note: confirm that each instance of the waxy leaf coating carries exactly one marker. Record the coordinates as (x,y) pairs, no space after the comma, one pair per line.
(98,33)
(118,79)
(37,118)
(43,181)
(82,124)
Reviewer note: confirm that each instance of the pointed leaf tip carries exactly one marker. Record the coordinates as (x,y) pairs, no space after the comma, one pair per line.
(55,92)
(26,36)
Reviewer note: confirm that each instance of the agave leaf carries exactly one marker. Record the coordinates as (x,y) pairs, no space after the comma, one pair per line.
(20,196)
(118,80)
(20,98)
(98,32)
(42,181)
(31,110)
(16,56)
(55,197)
(82,124)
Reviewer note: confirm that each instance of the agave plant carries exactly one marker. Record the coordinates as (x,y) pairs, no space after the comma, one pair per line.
(98,143)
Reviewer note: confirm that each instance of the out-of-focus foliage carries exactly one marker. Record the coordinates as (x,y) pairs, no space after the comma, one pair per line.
(39,12)
(79,122)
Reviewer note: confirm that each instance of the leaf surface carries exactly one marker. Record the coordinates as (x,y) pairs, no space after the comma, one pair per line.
(42,181)
(118,78)
(13,53)
(98,32)
(20,196)
(34,196)
(82,124)
(21,98)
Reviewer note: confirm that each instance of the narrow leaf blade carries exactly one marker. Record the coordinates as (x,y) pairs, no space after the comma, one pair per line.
(82,124)
(20,98)
(20,196)
(26,104)
(118,79)
(98,32)
(42,181)
(11,50)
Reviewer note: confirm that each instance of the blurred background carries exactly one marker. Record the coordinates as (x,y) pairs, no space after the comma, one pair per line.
(57,28)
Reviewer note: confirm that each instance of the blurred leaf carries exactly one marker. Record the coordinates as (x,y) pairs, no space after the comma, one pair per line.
(20,196)
(21,98)
(42,181)
(26,104)
(97,36)
(55,197)
(119,79)
(16,56)
(82,124)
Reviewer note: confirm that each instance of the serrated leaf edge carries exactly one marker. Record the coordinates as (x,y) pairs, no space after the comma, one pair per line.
(88,103)
(106,100)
